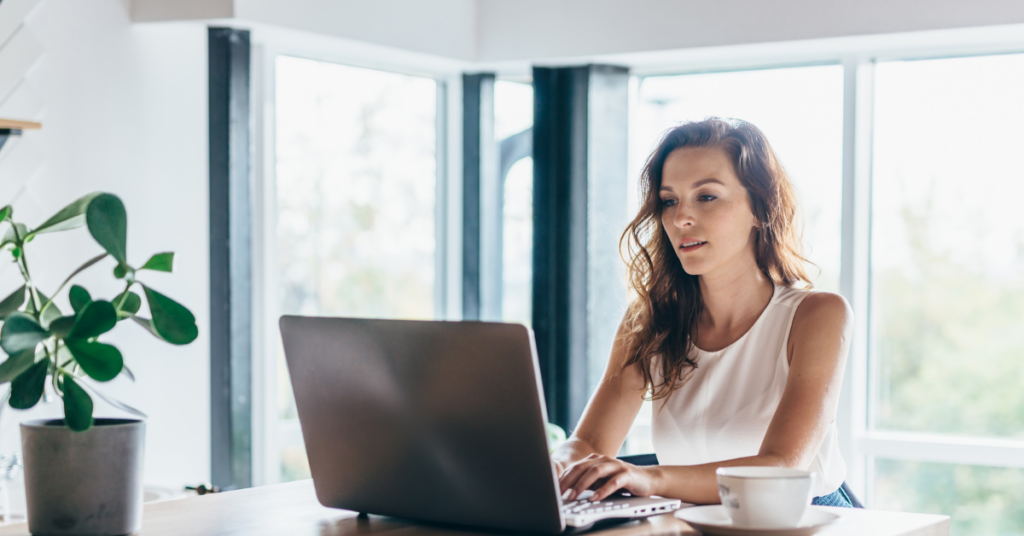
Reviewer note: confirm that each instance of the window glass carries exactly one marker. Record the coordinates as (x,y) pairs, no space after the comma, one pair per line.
(513,114)
(981,501)
(800,111)
(513,108)
(947,257)
(356,170)
(517,244)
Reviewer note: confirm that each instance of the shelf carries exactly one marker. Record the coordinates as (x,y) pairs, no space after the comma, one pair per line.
(14,124)
(13,127)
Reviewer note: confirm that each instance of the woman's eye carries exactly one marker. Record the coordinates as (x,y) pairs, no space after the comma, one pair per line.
(668,202)
(706,198)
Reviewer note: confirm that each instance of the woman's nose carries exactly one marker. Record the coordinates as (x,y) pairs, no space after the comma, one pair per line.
(682,217)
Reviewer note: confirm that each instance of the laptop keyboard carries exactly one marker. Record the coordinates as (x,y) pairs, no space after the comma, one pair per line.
(587,507)
(582,512)
(584,506)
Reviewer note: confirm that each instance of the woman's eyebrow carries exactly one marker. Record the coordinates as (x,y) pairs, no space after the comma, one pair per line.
(702,182)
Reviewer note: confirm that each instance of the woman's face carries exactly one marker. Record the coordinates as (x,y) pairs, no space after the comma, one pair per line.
(706,211)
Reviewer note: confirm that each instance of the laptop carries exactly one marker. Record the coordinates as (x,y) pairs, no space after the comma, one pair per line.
(439,422)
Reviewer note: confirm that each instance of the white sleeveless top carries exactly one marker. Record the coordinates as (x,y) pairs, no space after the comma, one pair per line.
(724,409)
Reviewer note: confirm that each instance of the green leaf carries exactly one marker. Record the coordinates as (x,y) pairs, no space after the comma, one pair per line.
(146,323)
(50,312)
(20,333)
(62,326)
(131,305)
(13,302)
(16,364)
(96,318)
(63,355)
(69,217)
(6,213)
(161,262)
(102,362)
(121,270)
(77,405)
(27,388)
(79,297)
(172,321)
(11,238)
(108,224)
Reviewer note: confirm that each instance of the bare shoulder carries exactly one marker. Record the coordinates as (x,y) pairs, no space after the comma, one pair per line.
(822,317)
(824,305)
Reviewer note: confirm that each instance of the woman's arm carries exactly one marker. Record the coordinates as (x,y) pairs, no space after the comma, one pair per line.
(609,414)
(819,341)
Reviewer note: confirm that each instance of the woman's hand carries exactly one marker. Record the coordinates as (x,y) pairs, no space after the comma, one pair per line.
(606,475)
(560,466)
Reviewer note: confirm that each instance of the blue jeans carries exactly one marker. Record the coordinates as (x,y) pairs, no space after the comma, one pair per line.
(836,498)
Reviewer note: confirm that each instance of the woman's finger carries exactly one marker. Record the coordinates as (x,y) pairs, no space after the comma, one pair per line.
(613,484)
(592,475)
(570,477)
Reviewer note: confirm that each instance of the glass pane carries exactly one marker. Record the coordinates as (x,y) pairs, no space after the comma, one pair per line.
(980,500)
(948,247)
(513,108)
(355,198)
(517,243)
(513,114)
(800,110)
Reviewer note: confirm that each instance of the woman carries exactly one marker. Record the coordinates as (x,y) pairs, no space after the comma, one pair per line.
(744,367)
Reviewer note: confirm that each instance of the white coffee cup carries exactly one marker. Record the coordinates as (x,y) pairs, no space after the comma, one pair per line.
(765,497)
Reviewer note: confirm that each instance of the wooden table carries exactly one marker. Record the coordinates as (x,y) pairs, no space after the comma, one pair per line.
(292,509)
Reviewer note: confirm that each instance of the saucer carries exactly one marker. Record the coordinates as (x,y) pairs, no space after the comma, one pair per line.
(714,520)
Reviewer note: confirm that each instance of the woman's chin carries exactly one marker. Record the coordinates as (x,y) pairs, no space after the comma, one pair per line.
(692,267)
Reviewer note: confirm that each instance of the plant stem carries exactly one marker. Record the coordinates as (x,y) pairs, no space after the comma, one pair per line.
(53,372)
(124,295)
(23,264)
(87,264)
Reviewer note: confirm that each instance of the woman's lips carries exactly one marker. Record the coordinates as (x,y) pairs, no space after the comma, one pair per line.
(691,245)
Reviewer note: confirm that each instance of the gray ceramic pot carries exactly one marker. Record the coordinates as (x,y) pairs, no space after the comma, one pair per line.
(79,483)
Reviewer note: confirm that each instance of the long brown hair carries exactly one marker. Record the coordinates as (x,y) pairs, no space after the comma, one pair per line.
(661,321)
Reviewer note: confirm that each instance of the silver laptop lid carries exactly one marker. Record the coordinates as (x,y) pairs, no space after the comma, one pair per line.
(437,421)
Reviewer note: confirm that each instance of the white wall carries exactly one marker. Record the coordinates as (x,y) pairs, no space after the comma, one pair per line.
(164,10)
(441,27)
(511,30)
(123,108)
(505,30)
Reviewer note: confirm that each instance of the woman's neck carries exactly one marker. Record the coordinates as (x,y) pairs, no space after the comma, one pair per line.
(734,299)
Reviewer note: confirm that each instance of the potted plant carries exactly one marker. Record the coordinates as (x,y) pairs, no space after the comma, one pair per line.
(82,475)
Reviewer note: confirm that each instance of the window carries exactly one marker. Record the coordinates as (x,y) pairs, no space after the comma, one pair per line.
(980,500)
(513,121)
(947,278)
(800,110)
(356,168)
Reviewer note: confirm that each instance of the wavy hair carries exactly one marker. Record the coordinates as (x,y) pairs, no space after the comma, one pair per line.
(661,320)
